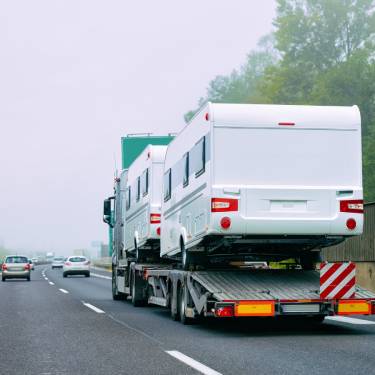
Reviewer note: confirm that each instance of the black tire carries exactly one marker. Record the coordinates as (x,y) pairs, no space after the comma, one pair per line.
(65,274)
(182,304)
(53,267)
(186,258)
(87,274)
(137,291)
(3,279)
(28,278)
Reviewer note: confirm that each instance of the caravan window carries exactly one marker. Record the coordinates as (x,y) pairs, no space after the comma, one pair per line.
(167,185)
(138,188)
(128,196)
(144,182)
(200,157)
(185,164)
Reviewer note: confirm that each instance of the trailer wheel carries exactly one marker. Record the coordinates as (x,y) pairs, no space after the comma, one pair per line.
(174,306)
(182,304)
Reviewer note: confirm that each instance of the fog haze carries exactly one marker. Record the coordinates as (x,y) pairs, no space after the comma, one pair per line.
(75,76)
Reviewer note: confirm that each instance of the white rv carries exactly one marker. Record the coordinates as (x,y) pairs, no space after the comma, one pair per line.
(260,182)
(143,202)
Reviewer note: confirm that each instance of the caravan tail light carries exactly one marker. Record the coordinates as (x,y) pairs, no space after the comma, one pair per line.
(158,231)
(354,206)
(351,224)
(154,218)
(224,204)
(225,222)
(224,311)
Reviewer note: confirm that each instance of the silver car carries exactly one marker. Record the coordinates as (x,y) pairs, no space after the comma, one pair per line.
(16,266)
(57,262)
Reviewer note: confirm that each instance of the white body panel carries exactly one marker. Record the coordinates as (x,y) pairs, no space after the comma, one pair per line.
(139,231)
(288,166)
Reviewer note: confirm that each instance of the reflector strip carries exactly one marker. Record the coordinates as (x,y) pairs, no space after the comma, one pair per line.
(337,280)
(255,308)
(353,307)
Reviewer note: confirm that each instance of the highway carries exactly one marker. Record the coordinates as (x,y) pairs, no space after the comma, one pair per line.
(53,325)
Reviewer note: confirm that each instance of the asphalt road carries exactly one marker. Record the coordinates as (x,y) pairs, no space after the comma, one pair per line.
(53,325)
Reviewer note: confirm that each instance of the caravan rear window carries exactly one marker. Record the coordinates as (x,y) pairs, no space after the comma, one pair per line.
(128,196)
(167,185)
(138,188)
(185,163)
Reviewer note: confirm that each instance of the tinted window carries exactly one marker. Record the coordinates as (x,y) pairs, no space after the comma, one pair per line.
(138,188)
(77,259)
(200,157)
(16,260)
(167,185)
(144,182)
(185,164)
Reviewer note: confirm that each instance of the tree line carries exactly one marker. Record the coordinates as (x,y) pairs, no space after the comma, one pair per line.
(321,52)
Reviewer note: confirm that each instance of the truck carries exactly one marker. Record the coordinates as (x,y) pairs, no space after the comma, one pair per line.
(237,288)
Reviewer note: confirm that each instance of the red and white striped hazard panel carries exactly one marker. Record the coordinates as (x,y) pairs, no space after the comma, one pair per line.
(337,280)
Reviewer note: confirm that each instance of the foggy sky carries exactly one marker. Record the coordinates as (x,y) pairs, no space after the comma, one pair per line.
(77,75)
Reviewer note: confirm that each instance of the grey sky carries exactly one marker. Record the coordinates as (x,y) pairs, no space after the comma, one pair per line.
(77,75)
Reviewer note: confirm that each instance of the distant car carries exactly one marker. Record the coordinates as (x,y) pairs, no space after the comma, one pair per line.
(76,265)
(16,266)
(31,265)
(57,262)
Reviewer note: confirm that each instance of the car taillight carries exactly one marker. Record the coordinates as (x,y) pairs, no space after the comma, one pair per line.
(4,267)
(158,231)
(68,263)
(154,218)
(224,204)
(354,206)
(27,267)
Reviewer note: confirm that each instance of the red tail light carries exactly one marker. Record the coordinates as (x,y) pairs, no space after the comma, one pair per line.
(225,222)
(224,204)
(354,206)
(68,263)
(224,311)
(351,224)
(27,267)
(4,267)
(158,231)
(155,218)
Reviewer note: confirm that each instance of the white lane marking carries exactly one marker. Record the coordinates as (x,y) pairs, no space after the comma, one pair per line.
(101,276)
(344,319)
(63,290)
(92,307)
(51,283)
(46,278)
(192,363)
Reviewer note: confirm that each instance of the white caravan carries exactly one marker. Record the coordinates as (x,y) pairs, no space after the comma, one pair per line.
(261,182)
(143,202)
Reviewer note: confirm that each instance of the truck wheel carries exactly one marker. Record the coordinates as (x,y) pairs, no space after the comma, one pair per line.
(3,278)
(185,257)
(174,307)
(116,295)
(182,304)
(137,297)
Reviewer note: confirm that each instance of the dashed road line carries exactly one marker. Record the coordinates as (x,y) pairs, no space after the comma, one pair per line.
(344,319)
(92,307)
(63,290)
(46,278)
(51,283)
(100,276)
(192,363)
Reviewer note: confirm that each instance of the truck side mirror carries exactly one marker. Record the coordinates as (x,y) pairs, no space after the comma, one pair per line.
(107,212)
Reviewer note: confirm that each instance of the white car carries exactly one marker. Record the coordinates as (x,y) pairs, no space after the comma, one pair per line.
(57,262)
(76,265)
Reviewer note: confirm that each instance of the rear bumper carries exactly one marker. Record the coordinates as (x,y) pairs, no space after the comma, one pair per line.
(16,274)
(77,272)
